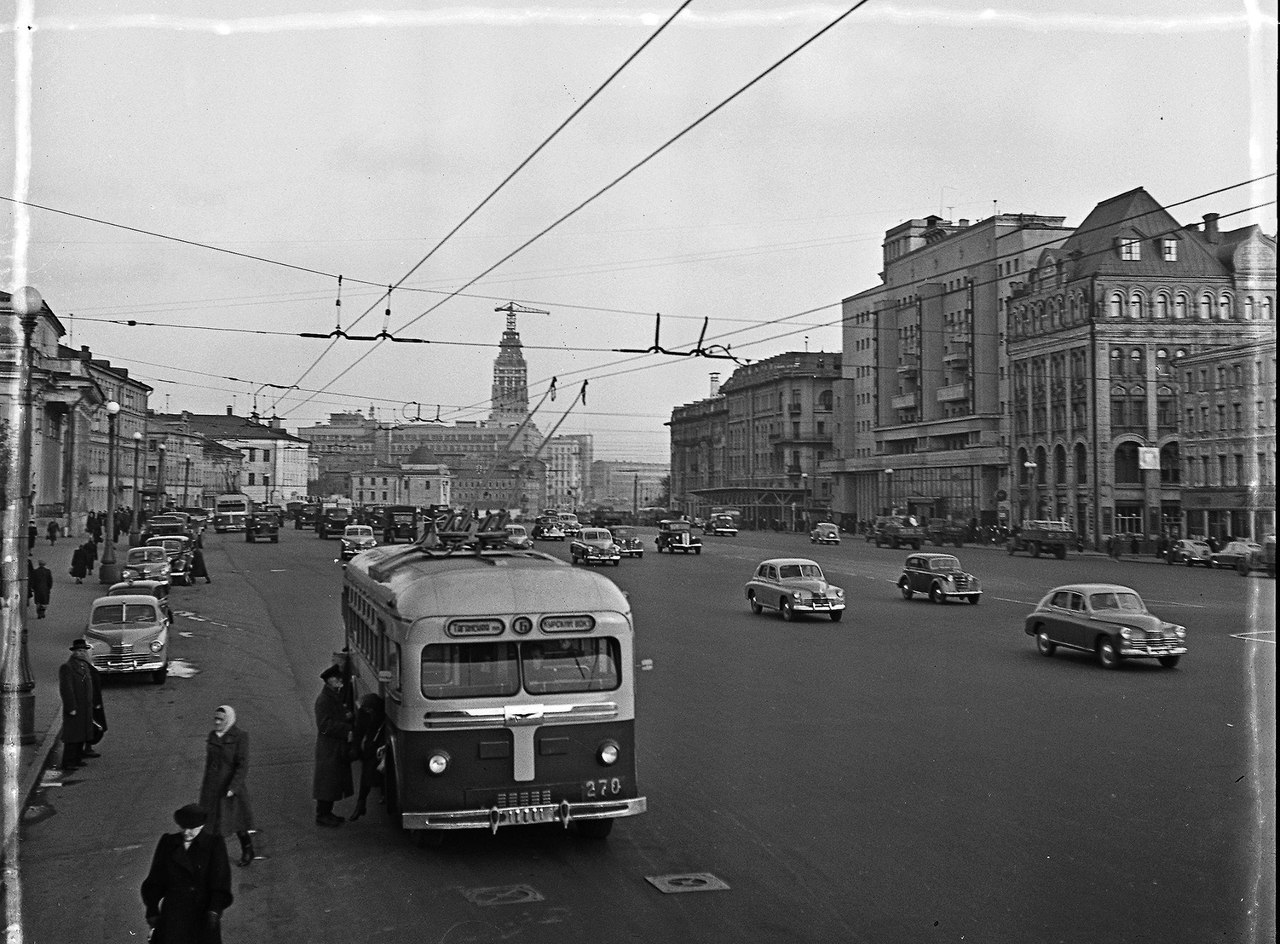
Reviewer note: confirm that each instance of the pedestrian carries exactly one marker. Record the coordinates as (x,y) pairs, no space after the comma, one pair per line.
(99,725)
(53,530)
(79,564)
(90,551)
(32,531)
(41,587)
(223,791)
(75,685)
(189,883)
(334,738)
(198,568)
(370,741)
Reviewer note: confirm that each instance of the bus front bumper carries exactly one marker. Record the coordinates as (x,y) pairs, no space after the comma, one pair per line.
(496,817)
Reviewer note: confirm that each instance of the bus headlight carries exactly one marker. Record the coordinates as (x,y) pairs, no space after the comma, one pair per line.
(608,753)
(438,763)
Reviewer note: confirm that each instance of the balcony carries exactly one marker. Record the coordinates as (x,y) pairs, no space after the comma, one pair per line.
(794,408)
(908,370)
(955,357)
(952,393)
(903,401)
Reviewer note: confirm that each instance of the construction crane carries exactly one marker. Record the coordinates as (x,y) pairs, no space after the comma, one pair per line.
(512,309)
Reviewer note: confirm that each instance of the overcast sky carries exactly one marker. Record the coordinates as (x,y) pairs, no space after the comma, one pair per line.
(328,138)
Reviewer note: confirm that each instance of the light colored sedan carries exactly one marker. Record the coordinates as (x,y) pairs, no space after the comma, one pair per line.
(1233,553)
(1190,552)
(792,586)
(594,546)
(1106,620)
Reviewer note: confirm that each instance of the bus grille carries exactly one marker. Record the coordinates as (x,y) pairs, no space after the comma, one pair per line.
(524,798)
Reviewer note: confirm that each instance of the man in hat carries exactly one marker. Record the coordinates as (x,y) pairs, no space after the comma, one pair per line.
(334,735)
(189,884)
(41,588)
(75,685)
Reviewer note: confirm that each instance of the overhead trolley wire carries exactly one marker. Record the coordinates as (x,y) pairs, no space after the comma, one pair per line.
(623,176)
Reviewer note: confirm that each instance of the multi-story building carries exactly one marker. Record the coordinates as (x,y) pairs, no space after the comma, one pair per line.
(1228,441)
(629,486)
(568,471)
(349,441)
(1096,332)
(921,404)
(778,428)
(419,483)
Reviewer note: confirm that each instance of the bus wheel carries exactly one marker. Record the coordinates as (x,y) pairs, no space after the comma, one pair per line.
(390,793)
(593,828)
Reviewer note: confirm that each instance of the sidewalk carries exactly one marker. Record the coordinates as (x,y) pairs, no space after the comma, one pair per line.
(48,646)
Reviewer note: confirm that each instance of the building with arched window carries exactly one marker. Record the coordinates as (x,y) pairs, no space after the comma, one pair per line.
(1102,391)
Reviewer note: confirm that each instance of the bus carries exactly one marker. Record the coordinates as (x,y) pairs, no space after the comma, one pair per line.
(508,678)
(230,511)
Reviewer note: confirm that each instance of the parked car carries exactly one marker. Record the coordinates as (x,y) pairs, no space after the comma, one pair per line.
(149,588)
(570,524)
(129,634)
(262,526)
(158,525)
(724,525)
(677,535)
(1190,552)
(825,533)
(198,517)
(147,562)
(940,577)
(594,546)
(518,537)
(179,550)
(897,530)
(356,538)
(1263,559)
(547,529)
(628,541)
(794,585)
(1234,552)
(1109,621)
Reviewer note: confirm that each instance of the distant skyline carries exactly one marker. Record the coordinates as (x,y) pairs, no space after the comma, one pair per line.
(257,158)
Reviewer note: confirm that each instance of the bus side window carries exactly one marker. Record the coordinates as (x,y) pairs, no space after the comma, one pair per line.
(376,653)
(393,666)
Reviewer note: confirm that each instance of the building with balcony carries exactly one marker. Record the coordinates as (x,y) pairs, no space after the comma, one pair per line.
(1097,331)
(1227,407)
(921,403)
(759,442)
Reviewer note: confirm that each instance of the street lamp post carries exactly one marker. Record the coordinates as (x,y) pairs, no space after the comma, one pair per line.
(888,488)
(1031,481)
(109,571)
(135,525)
(17,684)
(160,479)
(186,481)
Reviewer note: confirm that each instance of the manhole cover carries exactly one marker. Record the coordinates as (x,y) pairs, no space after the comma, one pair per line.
(503,895)
(687,882)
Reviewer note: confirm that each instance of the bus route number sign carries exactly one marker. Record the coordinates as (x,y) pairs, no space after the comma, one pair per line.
(474,627)
(567,624)
(603,788)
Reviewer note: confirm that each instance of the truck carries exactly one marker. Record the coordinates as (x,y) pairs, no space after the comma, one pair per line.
(1043,537)
(332,519)
(945,531)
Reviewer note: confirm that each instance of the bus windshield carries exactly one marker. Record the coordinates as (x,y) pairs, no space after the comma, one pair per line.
(496,669)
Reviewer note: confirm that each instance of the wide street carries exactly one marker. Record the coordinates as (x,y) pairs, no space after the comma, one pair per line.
(914,773)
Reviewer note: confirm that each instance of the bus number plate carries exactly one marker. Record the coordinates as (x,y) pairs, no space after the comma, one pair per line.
(602,789)
(518,815)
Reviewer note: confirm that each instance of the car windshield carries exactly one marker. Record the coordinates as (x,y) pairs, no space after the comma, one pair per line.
(478,670)
(676,525)
(598,534)
(797,571)
(358,531)
(118,613)
(944,564)
(515,530)
(146,555)
(624,533)
(1117,600)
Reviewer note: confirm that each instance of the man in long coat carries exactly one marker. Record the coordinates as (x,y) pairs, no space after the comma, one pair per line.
(189,883)
(41,588)
(334,735)
(75,685)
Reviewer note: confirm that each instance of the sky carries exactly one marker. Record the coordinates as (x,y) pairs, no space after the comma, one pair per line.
(210,176)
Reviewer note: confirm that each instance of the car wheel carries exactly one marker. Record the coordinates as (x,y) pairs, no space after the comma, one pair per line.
(697,550)
(756,608)
(786,610)
(1108,656)
(1012,548)
(1060,552)
(835,615)
(1043,643)
(160,674)
(1169,662)
(905,586)
(1243,568)
(1190,562)
(641,554)
(1035,548)
(936,594)
(974,598)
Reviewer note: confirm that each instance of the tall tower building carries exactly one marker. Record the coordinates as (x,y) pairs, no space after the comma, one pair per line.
(510,396)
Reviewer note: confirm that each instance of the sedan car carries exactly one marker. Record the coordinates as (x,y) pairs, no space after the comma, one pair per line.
(148,562)
(628,541)
(676,535)
(129,634)
(594,546)
(793,585)
(1234,553)
(147,588)
(1190,552)
(548,529)
(1109,621)
(825,533)
(940,576)
(356,538)
(723,525)
(179,551)
(518,537)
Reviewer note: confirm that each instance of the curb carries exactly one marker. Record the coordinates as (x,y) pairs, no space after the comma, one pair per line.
(31,777)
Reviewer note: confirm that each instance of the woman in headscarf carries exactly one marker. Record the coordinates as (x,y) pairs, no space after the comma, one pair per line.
(223,792)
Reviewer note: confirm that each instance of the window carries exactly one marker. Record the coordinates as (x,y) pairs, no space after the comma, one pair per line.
(251,481)
(253,453)
(1130,249)
(1117,303)
(266,480)
(1224,308)
(1206,307)
(1180,306)
(1135,305)
(1170,249)
(1162,306)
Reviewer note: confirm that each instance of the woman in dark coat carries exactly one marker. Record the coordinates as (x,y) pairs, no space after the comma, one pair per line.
(370,734)
(198,568)
(79,565)
(223,791)
(189,884)
(334,737)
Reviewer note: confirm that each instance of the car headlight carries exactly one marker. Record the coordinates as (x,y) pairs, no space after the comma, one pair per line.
(608,753)
(157,645)
(1125,632)
(438,763)
(1180,632)
(837,593)
(800,594)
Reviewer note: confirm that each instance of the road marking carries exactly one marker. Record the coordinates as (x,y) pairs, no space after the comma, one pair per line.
(1196,606)
(502,895)
(1256,636)
(687,882)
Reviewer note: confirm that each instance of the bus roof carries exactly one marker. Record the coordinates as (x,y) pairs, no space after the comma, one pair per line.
(490,583)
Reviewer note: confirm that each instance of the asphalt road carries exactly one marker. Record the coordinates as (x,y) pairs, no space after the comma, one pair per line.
(914,773)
